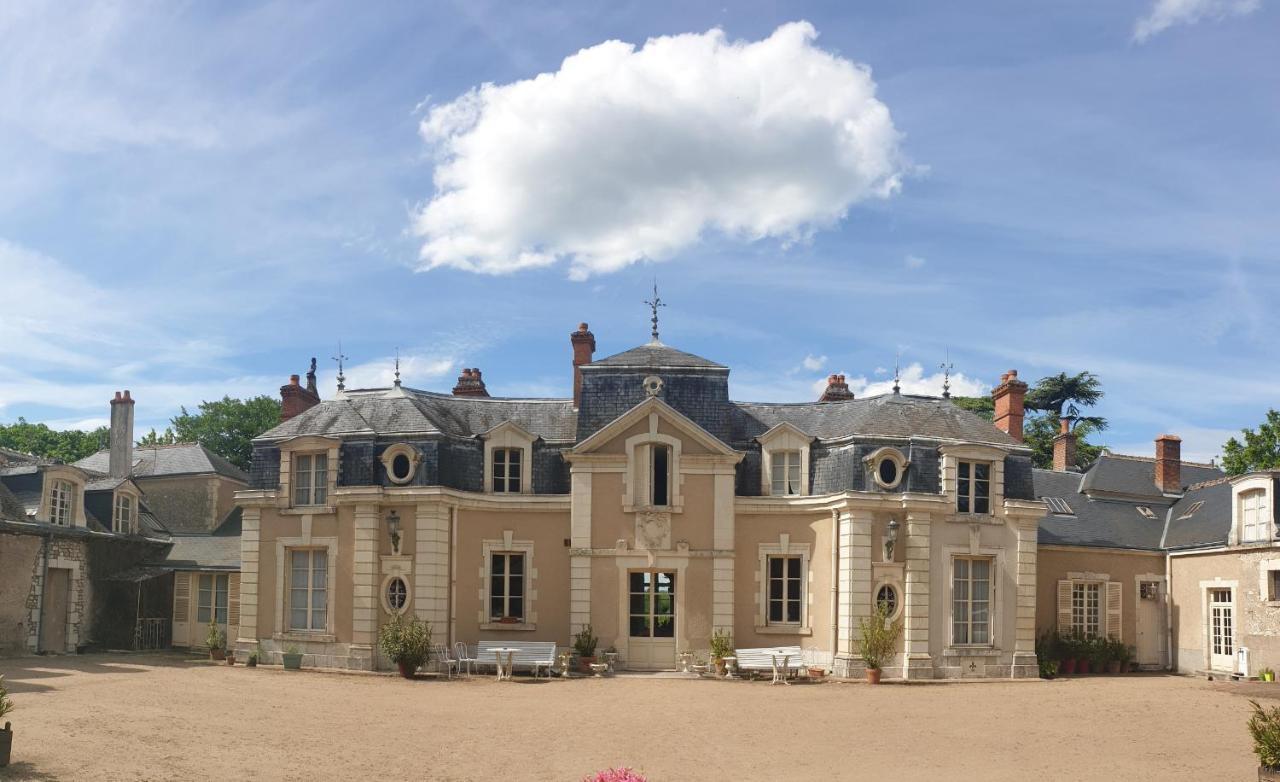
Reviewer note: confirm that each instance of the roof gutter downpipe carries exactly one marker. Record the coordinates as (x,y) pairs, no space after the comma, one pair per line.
(1168,614)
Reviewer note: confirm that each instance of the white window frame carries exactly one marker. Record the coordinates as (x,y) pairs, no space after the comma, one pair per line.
(507,557)
(501,461)
(900,462)
(1253,516)
(900,597)
(784,439)
(652,494)
(509,435)
(992,579)
(389,457)
(783,548)
(124,509)
(289,453)
(62,499)
(304,463)
(638,492)
(1080,611)
(787,598)
(219,583)
(972,495)
(386,593)
(788,463)
(311,588)
(508,545)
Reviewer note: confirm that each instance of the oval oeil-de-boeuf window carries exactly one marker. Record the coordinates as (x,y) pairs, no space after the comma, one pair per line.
(888,471)
(400,467)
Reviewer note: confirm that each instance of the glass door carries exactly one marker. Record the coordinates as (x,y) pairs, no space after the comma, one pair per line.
(1221,630)
(651,612)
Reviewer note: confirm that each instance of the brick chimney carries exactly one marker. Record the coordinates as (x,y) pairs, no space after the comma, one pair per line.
(470,384)
(296,399)
(584,346)
(120,457)
(1008,397)
(1169,463)
(837,390)
(1064,448)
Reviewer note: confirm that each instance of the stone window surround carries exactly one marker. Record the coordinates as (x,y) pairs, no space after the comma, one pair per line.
(75,605)
(893,583)
(508,544)
(1241,486)
(388,460)
(1264,582)
(783,548)
(637,479)
(509,434)
(71,475)
(952,455)
(283,547)
(408,597)
(301,445)
(783,437)
(873,460)
(997,557)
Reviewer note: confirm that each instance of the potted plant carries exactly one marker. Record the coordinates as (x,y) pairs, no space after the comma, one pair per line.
(407,642)
(721,647)
(1125,655)
(1267,675)
(292,658)
(1115,652)
(1264,727)
(584,645)
(1069,647)
(6,734)
(230,655)
(1048,652)
(1098,655)
(878,638)
(255,656)
(216,641)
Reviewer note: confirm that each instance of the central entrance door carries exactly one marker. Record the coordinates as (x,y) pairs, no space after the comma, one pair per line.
(1221,629)
(651,608)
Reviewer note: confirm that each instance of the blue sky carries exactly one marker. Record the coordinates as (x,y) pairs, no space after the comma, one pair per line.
(196,198)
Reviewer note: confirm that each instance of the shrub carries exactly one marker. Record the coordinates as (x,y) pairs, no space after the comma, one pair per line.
(406,641)
(1264,726)
(584,643)
(614,775)
(214,639)
(6,703)
(721,645)
(878,637)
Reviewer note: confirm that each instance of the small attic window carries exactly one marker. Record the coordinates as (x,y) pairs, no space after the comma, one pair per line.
(1191,511)
(1058,506)
(1146,512)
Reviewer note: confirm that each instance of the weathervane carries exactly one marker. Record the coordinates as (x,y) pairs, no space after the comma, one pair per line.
(946,368)
(340,358)
(397,367)
(897,374)
(654,304)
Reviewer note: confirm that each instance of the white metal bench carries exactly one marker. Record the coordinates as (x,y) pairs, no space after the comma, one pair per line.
(533,655)
(781,661)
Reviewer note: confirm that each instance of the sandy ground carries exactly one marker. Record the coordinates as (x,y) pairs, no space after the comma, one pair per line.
(108,717)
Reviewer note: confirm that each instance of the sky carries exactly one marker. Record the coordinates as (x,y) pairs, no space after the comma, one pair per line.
(196,198)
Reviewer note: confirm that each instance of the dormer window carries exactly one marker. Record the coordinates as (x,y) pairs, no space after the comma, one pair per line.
(786,473)
(973,487)
(61,497)
(1255,526)
(887,467)
(123,513)
(660,475)
(310,478)
(506,470)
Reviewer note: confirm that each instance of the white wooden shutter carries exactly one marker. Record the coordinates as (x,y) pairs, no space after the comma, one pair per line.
(1064,607)
(1113,609)
(181,609)
(233,606)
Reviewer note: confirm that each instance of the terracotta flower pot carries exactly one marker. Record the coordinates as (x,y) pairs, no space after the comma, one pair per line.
(816,672)
(584,664)
(1113,666)
(873,675)
(217,654)
(1068,666)
(407,669)
(6,744)
(231,658)
(252,662)
(1082,666)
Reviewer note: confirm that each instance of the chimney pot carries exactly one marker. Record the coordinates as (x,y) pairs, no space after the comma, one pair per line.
(295,399)
(1169,463)
(1064,448)
(1009,398)
(837,390)
(293,380)
(120,438)
(469,383)
(583,343)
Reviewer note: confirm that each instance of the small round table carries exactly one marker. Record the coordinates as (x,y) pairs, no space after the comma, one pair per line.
(497,656)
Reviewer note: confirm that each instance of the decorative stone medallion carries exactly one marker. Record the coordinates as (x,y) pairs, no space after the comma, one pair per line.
(653,385)
(653,530)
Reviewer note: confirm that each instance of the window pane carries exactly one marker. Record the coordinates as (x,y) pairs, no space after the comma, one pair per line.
(982,471)
(639,627)
(513,461)
(793,610)
(775,610)
(962,501)
(499,565)
(638,582)
(515,607)
(202,614)
(639,604)
(960,632)
(664,627)
(666,582)
(981,569)
(964,471)
(779,484)
(981,505)
(515,585)
(495,607)
(498,586)
(793,567)
(513,485)
(775,567)
(320,493)
(298,618)
(660,474)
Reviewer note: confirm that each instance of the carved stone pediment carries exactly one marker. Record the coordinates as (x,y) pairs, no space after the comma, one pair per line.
(653,530)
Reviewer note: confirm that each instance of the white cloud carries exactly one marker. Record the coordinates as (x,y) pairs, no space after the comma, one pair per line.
(626,154)
(1166,13)
(913,261)
(415,368)
(814,363)
(915,381)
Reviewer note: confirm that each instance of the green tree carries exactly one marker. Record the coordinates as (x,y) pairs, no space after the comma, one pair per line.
(1259,451)
(983,406)
(227,426)
(64,445)
(1059,394)
(155,438)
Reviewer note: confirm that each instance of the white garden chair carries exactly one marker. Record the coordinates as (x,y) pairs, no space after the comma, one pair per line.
(446,663)
(463,658)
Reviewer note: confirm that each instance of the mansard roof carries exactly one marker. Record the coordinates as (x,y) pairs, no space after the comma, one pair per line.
(655,355)
(1136,475)
(887,415)
(1095,522)
(1206,525)
(154,461)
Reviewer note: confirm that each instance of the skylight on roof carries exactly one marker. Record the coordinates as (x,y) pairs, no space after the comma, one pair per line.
(1146,512)
(1191,511)
(1058,506)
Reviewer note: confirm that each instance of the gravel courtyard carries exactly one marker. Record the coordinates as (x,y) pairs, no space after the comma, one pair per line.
(162,717)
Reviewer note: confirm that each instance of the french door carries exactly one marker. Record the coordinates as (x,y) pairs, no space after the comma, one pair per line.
(651,615)
(1221,630)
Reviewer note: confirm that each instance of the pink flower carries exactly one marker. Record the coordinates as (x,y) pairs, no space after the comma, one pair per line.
(614,775)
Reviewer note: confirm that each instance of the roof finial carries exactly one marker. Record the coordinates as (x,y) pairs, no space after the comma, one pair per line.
(897,375)
(654,304)
(946,368)
(397,367)
(340,358)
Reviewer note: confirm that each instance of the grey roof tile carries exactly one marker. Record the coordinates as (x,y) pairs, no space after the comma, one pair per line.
(1096,522)
(217,550)
(1136,475)
(1209,524)
(656,355)
(163,460)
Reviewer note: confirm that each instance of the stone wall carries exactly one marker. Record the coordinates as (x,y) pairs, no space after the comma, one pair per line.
(20,555)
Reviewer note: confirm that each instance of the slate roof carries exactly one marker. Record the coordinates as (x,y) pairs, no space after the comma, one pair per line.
(1103,523)
(410,411)
(165,460)
(886,415)
(208,551)
(1136,475)
(1209,524)
(10,507)
(656,355)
